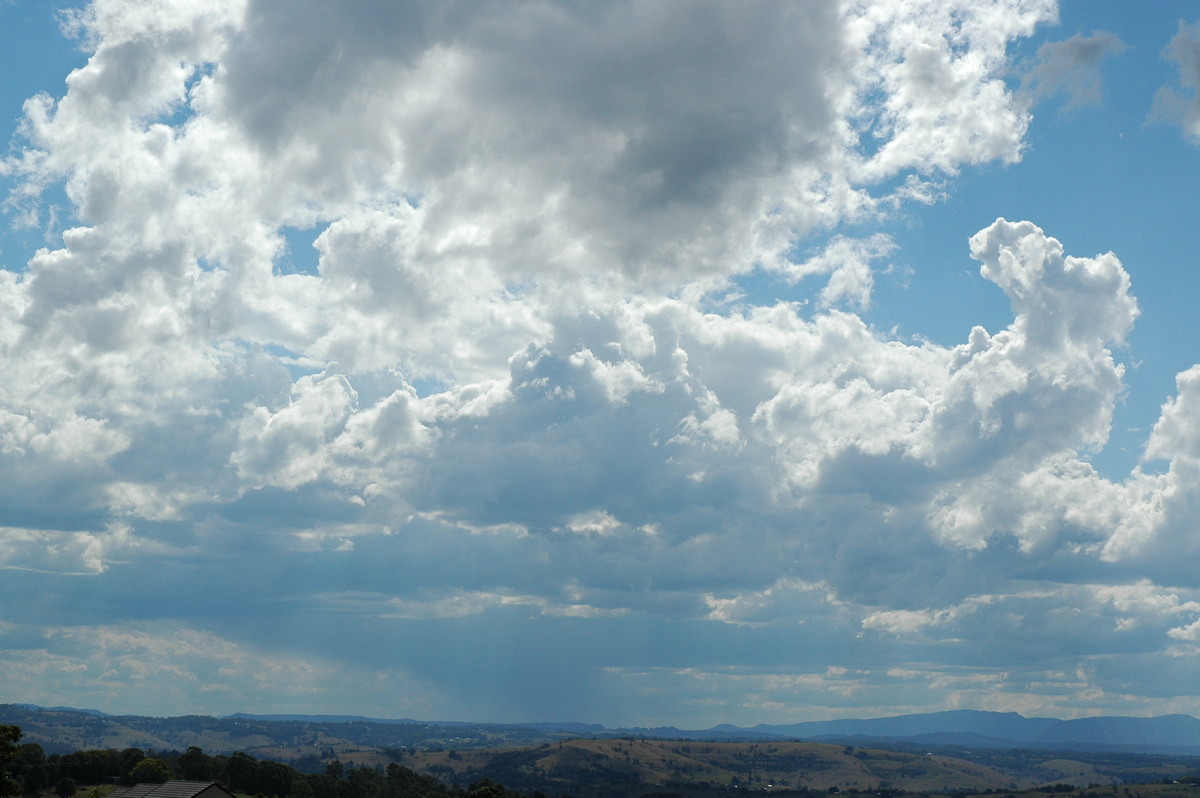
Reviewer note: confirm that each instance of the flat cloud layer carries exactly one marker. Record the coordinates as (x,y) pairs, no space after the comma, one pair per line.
(514,447)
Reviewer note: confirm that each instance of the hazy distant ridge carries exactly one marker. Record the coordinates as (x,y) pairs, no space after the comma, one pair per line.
(1168,734)
(317,718)
(1005,728)
(1173,733)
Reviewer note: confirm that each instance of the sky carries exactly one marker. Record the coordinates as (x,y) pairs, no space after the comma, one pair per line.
(635,363)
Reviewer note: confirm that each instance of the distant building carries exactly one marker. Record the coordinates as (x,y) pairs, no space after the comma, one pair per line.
(173,789)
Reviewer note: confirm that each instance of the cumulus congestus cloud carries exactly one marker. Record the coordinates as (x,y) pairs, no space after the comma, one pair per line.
(509,404)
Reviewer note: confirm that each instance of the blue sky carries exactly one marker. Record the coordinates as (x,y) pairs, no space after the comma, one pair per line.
(641,364)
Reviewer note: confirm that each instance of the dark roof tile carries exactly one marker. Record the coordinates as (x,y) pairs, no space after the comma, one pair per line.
(172,789)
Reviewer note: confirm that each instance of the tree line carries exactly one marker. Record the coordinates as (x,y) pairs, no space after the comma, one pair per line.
(25,769)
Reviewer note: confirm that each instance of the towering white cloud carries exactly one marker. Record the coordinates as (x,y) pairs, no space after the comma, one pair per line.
(523,380)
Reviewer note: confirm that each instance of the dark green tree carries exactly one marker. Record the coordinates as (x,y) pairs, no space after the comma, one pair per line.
(9,735)
(323,786)
(65,788)
(240,771)
(151,770)
(33,778)
(194,765)
(301,789)
(273,778)
(32,754)
(485,788)
(365,783)
(401,782)
(130,758)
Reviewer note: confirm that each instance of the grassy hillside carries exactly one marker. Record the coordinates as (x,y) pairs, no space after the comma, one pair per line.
(556,764)
(665,765)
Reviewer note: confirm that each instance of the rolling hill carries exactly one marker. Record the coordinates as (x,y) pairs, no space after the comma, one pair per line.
(939,752)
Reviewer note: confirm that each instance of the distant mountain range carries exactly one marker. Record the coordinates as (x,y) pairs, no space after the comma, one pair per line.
(1167,734)
(973,728)
(977,729)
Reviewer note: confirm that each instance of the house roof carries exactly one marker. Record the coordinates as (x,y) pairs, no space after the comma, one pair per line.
(172,789)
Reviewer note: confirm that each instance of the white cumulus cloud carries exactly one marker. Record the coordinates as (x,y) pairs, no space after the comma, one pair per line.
(522,387)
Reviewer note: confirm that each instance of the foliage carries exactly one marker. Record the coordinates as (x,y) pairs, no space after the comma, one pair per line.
(9,735)
(194,765)
(151,770)
(485,788)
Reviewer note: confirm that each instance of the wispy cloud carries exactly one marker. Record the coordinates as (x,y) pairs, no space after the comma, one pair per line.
(1180,104)
(1072,67)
